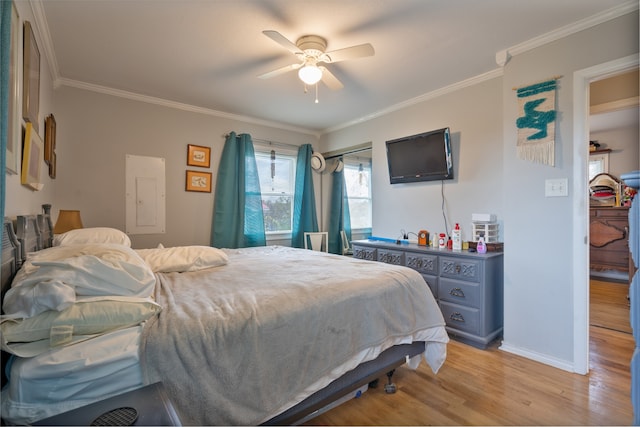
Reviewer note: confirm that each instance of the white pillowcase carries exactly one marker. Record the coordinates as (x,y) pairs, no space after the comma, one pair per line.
(51,278)
(92,235)
(182,258)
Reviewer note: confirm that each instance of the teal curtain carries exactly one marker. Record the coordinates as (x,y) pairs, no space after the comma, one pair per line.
(238,220)
(339,217)
(5,59)
(305,217)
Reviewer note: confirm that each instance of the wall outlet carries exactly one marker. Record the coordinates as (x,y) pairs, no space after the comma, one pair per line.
(556,187)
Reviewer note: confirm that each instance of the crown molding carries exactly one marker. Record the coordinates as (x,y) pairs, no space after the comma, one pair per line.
(45,40)
(180,106)
(498,72)
(615,12)
(502,57)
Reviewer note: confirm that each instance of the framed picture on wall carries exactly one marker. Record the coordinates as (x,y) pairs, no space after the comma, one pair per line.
(14,128)
(32,158)
(52,166)
(49,138)
(198,155)
(30,77)
(198,181)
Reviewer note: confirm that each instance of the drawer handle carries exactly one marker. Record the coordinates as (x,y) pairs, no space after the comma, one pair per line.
(456,292)
(457,317)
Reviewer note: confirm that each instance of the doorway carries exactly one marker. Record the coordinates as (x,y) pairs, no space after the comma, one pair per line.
(582,80)
(613,150)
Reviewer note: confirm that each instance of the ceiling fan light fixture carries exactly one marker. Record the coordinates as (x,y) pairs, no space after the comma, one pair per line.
(310,74)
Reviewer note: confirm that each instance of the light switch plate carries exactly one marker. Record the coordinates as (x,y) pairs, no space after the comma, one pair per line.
(556,187)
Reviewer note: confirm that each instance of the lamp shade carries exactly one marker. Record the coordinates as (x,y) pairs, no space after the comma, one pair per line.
(310,74)
(67,220)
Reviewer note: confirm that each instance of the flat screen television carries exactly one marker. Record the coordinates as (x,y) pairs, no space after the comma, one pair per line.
(422,157)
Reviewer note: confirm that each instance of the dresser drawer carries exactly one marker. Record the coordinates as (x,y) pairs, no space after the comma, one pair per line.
(461,269)
(432,281)
(390,256)
(459,292)
(361,252)
(426,264)
(456,316)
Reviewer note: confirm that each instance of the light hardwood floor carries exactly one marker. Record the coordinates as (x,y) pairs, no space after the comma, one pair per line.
(492,387)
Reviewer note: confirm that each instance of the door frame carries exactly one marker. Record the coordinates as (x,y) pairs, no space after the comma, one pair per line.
(581,81)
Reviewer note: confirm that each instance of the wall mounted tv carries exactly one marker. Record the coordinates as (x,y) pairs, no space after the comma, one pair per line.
(422,157)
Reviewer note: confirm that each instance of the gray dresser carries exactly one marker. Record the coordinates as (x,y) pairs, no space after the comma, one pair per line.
(468,286)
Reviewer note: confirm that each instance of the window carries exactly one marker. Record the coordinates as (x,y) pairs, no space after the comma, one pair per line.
(277,184)
(357,176)
(598,163)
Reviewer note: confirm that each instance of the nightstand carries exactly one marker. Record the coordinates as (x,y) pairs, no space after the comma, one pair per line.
(151,403)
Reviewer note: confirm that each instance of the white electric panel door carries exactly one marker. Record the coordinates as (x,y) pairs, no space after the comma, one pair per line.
(145,195)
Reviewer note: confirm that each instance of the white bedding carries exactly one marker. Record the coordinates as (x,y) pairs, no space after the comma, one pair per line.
(233,345)
(67,377)
(73,376)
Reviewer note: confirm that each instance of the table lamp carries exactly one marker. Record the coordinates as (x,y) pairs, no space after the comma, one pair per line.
(67,220)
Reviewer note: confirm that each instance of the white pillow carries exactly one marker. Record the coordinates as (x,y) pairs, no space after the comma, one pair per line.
(90,316)
(182,258)
(44,280)
(92,235)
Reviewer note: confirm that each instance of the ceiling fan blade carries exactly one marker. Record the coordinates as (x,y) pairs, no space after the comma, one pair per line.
(282,41)
(279,71)
(330,80)
(352,52)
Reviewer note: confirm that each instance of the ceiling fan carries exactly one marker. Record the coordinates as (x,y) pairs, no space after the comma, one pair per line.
(310,51)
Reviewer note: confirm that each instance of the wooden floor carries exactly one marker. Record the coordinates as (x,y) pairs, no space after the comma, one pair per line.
(609,306)
(493,387)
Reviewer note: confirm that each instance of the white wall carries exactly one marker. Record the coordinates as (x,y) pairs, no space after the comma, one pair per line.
(474,116)
(96,131)
(624,145)
(21,199)
(539,256)
(537,231)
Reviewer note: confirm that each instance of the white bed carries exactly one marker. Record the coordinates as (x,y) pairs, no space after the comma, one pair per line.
(275,328)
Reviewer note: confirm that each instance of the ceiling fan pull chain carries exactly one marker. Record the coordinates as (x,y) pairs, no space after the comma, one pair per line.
(316,93)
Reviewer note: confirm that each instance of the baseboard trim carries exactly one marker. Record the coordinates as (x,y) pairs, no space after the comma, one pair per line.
(538,357)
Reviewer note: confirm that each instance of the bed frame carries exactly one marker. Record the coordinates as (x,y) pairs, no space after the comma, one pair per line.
(29,233)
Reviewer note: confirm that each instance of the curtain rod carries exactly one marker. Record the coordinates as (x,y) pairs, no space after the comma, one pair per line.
(346,151)
(274,143)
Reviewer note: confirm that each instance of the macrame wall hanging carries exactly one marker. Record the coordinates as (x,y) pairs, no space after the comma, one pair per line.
(536,122)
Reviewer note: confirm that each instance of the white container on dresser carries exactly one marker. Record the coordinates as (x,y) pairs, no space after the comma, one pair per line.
(468,286)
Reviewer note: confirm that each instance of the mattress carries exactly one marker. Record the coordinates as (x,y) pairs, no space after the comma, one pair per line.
(69,377)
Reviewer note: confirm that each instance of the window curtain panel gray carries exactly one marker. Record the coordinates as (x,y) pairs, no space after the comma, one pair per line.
(305,218)
(339,217)
(5,59)
(238,219)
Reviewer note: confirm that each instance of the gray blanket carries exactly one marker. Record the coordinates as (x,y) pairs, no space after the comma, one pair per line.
(234,344)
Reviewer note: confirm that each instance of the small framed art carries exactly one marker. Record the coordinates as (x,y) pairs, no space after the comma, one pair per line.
(198,155)
(52,166)
(49,138)
(32,158)
(199,181)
